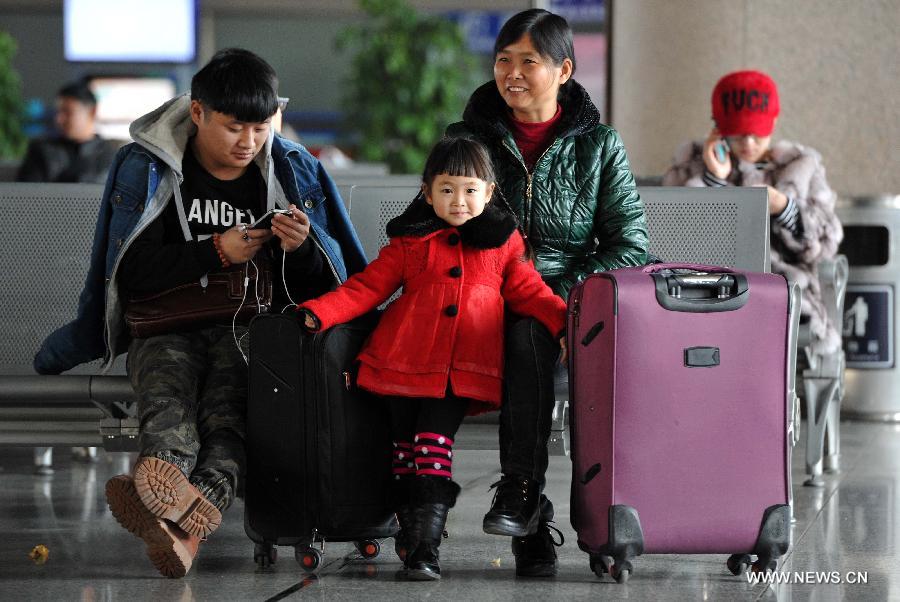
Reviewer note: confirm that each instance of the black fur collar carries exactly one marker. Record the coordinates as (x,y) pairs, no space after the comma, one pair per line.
(486,110)
(487,231)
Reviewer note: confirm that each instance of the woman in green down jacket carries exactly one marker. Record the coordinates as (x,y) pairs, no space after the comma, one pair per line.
(566,177)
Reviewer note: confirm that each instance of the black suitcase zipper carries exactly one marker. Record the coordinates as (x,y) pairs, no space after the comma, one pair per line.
(319,392)
(309,348)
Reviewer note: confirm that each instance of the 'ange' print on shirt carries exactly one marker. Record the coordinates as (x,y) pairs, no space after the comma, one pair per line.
(212,212)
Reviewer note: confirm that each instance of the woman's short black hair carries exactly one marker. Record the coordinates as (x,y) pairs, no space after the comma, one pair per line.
(550,35)
(239,83)
(458,156)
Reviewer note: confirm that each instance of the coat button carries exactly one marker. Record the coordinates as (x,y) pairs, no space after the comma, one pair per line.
(453,239)
(456,271)
(119,243)
(308,204)
(451,310)
(117,199)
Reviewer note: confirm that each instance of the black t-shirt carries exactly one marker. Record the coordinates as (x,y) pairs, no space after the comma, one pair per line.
(160,258)
(214,205)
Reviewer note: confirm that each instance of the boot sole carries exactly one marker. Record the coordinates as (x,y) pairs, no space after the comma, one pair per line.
(422,575)
(167,493)
(168,555)
(546,570)
(503,526)
(129,511)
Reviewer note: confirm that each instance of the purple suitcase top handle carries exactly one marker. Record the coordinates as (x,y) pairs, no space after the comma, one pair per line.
(657,267)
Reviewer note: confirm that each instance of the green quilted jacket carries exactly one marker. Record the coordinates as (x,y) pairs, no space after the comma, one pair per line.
(579,208)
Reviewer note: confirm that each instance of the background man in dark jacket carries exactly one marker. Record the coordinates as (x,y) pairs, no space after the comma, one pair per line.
(76,153)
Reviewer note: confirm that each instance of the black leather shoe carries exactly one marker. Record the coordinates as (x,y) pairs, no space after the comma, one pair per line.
(536,554)
(423,562)
(432,500)
(515,510)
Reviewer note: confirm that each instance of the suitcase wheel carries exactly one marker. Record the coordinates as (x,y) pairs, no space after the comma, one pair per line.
(764,565)
(621,571)
(308,558)
(368,548)
(738,563)
(264,554)
(600,564)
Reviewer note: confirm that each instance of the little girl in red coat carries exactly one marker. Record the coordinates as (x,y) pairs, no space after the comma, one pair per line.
(437,353)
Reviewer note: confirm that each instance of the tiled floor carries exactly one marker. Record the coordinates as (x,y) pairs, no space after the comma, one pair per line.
(851,525)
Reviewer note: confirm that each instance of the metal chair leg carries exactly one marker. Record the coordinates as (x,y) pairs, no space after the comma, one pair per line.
(43,461)
(820,393)
(831,460)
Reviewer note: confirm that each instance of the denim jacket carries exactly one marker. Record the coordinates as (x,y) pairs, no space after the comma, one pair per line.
(141,183)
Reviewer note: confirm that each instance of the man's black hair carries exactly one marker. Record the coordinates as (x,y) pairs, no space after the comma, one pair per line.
(79,91)
(550,34)
(238,83)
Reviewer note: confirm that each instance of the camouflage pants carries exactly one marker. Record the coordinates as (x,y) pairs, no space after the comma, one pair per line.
(192,403)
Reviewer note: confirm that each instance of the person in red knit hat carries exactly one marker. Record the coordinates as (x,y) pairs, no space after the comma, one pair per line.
(739,151)
(437,353)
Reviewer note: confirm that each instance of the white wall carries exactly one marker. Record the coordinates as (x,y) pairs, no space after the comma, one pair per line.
(835,61)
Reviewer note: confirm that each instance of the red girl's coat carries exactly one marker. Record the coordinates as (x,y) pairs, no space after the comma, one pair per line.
(448,323)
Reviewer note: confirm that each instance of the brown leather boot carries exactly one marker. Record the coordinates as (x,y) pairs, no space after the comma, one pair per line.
(171,549)
(168,494)
(173,554)
(127,508)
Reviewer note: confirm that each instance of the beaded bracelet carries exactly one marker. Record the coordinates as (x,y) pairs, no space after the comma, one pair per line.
(218,245)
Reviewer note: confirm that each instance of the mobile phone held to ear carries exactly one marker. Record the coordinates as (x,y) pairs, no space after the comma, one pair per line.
(721,151)
(266,220)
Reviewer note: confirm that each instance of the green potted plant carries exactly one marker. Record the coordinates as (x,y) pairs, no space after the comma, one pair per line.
(12,138)
(411,77)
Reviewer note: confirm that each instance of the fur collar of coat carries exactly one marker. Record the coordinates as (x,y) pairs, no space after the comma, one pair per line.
(489,230)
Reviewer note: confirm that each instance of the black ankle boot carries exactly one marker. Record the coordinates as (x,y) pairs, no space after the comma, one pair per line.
(401,501)
(433,498)
(536,554)
(516,507)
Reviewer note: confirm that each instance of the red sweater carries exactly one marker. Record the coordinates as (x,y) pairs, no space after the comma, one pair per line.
(534,138)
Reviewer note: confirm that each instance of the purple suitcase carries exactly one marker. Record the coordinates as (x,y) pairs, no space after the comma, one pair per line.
(681,383)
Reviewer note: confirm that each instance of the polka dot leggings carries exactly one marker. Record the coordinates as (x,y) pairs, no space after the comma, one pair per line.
(422,431)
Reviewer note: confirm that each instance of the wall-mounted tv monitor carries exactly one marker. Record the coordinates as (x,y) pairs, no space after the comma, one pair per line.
(130,31)
(121,100)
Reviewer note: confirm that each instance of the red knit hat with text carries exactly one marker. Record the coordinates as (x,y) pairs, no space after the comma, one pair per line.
(745,102)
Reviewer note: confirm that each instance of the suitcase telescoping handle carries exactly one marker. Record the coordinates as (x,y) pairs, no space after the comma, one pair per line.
(698,288)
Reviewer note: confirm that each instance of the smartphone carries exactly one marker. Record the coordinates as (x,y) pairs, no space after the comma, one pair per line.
(266,220)
(722,150)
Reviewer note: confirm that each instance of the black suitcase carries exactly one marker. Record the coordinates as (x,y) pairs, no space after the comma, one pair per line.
(318,448)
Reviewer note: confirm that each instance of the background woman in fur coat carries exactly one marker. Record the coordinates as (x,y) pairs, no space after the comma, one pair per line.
(739,152)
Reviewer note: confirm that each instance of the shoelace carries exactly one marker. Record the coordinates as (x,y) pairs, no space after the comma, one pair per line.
(562,538)
(496,485)
(504,481)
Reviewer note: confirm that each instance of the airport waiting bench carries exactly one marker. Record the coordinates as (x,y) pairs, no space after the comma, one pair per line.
(720,227)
